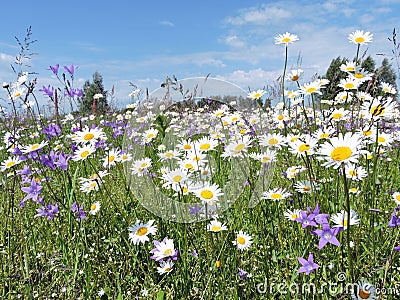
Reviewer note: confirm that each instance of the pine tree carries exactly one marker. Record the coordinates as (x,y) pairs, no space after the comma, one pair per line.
(334,75)
(386,73)
(91,89)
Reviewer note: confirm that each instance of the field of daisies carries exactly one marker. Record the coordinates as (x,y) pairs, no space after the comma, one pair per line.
(203,199)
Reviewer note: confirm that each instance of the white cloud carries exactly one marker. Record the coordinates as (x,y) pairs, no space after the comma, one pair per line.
(167,23)
(234,41)
(255,78)
(266,14)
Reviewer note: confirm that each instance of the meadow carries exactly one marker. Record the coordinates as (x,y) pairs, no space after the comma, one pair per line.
(205,198)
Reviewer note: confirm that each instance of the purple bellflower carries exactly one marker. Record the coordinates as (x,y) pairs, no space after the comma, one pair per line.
(308,266)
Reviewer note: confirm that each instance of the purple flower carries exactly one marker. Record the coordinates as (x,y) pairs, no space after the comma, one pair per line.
(306,220)
(33,190)
(73,92)
(308,266)
(26,171)
(194,210)
(52,130)
(395,219)
(327,235)
(397,248)
(48,91)
(62,161)
(78,210)
(71,69)
(48,211)
(243,274)
(54,69)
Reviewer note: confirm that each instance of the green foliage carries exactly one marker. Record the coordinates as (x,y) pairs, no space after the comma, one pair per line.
(88,92)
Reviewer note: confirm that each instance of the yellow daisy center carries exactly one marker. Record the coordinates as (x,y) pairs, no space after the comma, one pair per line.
(265,159)
(177,178)
(352,173)
(84,154)
(381,139)
(341,153)
(111,158)
(295,77)
(241,240)
(93,206)
(150,135)
(216,228)
(168,269)
(306,188)
(286,40)
(88,136)
(239,147)
(367,133)
(205,146)
(337,116)
(35,147)
(257,95)
(359,75)
(281,117)
(311,90)
(398,197)
(142,231)
(276,196)
(294,216)
(10,164)
(167,252)
(304,147)
(144,165)
(324,135)
(377,110)
(359,39)
(206,194)
(273,141)
(349,85)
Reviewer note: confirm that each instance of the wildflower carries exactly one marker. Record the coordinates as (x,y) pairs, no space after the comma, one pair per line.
(9,163)
(89,135)
(355,173)
(97,96)
(95,208)
(71,69)
(237,148)
(165,267)
(341,150)
(164,250)
(308,266)
(175,179)
(256,94)
(139,232)
(83,152)
(286,38)
(340,219)
(54,69)
(327,235)
(276,194)
(33,191)
(388,88)
(266,157)
(243,241)
(395,218)
(378,108)
(311,88)
(78,210)
(149,135)
(206,144)
(303,146)
(349,66)
(112,158)
(360,37)
(48,211)
(33,147)
(243,274)
(292,215)
(209,193)
(273,140)
(396,197)
(141,166)
(363,291)
(216,226)
(294,75)
(349,83)
(305,186)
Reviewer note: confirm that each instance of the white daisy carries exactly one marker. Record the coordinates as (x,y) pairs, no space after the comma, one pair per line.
(139,232)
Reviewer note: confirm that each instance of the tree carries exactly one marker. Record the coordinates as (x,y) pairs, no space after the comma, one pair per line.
(89,90)
(334,75)
(385,73)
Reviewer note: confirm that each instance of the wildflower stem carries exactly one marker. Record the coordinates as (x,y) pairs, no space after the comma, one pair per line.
(283,78)
(346,192)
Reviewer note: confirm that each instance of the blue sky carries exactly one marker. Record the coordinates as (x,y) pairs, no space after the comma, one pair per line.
(145,41)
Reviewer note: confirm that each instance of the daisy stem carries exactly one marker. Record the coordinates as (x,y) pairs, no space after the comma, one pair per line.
(283,77)
(358,51)
(346,192)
